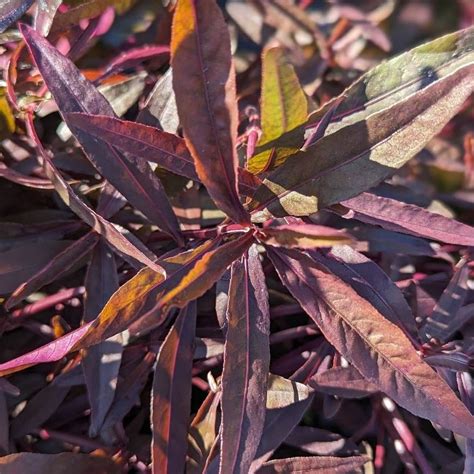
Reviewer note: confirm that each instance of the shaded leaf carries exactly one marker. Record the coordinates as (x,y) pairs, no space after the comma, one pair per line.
(55,268)
(203,76)
(377,348)
(171,395)
(287,402)
(202,433)
(101,362)
(246,364)
(408,218)
(283,103)
(28,181)
(437,325)
(303,236)
(344,382)
(315,464)
(338,167)
(21,262)
(64,463)
(73,93)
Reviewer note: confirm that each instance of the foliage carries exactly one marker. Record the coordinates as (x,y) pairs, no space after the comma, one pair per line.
(234,238)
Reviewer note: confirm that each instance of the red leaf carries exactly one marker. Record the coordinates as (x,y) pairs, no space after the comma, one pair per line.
(377,348)
(171,396)
(204,77)
(246,364)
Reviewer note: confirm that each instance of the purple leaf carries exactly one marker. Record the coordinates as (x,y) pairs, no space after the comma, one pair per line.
(349,465)
(101,362)
(11,11)
(246,364)
(408,219)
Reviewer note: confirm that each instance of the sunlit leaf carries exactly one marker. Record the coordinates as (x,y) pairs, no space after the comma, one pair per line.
(204,77)
(283,103)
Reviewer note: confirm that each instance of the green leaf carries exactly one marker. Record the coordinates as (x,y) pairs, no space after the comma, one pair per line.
(284,104)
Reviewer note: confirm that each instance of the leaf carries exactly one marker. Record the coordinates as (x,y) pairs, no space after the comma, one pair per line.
(28,181)
(344,382)
(385,85)
(51,352)
(303,236)
(203,76)
(246,364)
(437,325)
(88,9)
(202,434)
(22,261)
(73,93)
(160,108)
(165,149)
(339,167)
(372,284)
(315,464)
(408,219)
(377,348)
(287,402)
(283,103)
(171,395)
(45,12)
(11,11)
(70,463)
(55,267)
(101,363)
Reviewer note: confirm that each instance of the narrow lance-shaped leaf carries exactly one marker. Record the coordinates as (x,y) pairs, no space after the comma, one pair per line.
(11,11)
(55,268)
(384,86)
(406,218)
(377,348)
(283,103)
(73,93)
(287,401)
(437,325)
(90,217)
(204,77)
(171,395)
(160,109)
(246,364)
(101,362)
(339,167)
(149,143)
